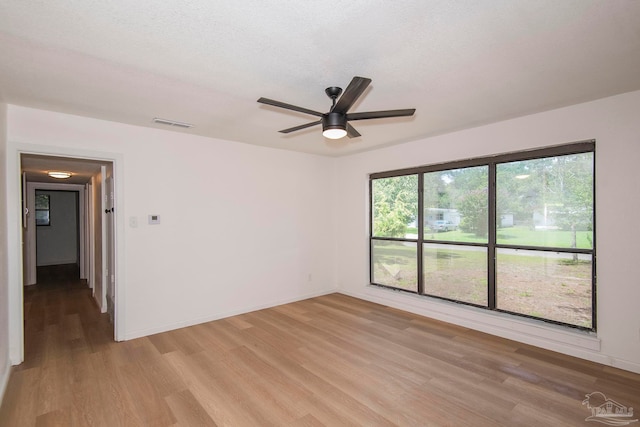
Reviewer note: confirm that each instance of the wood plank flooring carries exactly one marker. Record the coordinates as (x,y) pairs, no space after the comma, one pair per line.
(326,361)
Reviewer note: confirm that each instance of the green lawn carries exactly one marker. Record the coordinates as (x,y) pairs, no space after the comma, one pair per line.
(517,236)
(553,238)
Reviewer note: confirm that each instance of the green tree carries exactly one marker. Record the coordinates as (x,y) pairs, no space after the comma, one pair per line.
(395,205)
(574,190)
(473,208)
(468,188)
(437,190)
(557,190)
(517,192)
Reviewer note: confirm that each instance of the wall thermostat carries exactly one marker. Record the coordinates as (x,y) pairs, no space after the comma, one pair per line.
(154,219)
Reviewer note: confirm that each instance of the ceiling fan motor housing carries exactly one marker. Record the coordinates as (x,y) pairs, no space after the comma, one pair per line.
(334,121)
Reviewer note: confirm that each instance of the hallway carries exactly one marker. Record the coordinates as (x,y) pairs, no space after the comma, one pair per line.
(61,317)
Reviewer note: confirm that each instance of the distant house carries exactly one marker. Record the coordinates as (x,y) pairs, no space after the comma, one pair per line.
(436,214)
(506,220)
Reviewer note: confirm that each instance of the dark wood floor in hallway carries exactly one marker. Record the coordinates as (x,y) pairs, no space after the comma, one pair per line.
(327,361)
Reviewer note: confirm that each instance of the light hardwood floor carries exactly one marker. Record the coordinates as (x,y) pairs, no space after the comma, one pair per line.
(326,361)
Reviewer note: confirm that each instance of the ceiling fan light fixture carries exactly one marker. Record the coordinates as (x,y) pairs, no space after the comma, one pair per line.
(59,174)
(336,133)
(334,126)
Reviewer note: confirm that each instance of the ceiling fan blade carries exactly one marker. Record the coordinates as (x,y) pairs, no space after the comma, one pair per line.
(304,126)
(288,106)
(351,94)
(381,114)
(352,132)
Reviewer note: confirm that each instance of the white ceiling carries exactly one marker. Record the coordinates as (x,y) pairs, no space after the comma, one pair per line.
(37,168)
(459,63)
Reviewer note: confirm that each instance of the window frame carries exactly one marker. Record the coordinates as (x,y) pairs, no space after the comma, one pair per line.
(43,222)
(587,146)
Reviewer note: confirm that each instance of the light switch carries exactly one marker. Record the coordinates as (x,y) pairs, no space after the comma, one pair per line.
(133,221)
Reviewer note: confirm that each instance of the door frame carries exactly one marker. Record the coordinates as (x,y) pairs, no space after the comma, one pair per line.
(29,260)
(15,239)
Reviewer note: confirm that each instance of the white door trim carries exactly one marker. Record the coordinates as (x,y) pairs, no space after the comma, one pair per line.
(14,237)
(102,303)
(30,255)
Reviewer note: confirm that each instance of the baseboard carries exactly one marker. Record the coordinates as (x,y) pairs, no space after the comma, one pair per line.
(576,343)
(98,304)
(627,365)
(217,316)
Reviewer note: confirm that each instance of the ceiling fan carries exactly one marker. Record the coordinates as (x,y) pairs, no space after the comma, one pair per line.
(335,123)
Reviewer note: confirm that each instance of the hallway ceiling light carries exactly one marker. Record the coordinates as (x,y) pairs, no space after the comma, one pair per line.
(59,175)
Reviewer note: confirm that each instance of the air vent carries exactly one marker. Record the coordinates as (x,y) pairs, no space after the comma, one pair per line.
(172,123)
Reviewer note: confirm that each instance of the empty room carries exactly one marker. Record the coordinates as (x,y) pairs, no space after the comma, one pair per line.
(415,213)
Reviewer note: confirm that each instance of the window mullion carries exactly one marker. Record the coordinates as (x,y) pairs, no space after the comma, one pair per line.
(420,232)
(491,242)
(370,231)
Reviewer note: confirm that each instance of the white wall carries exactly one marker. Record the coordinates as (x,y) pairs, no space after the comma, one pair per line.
(242,227)
(615,124)
(4,277)
(57,243)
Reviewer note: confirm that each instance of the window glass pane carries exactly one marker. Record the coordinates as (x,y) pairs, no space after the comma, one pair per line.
(456,272)
(455,205)
(395,206)
(546,202)
(549,285)
(42,201)
(42,217)
(395,264)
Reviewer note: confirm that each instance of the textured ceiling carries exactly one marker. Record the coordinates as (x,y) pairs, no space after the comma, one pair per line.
(459,63)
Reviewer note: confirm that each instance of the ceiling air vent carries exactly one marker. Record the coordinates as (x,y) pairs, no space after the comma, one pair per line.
(172,123)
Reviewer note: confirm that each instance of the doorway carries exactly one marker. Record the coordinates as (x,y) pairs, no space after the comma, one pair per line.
(66,227)
(57,235)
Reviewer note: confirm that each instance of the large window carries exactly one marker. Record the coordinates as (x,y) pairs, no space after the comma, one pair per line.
(511,233)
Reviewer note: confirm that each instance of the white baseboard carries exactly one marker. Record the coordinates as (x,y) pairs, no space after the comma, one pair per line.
(99,304)
(217,316)
(576,343)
